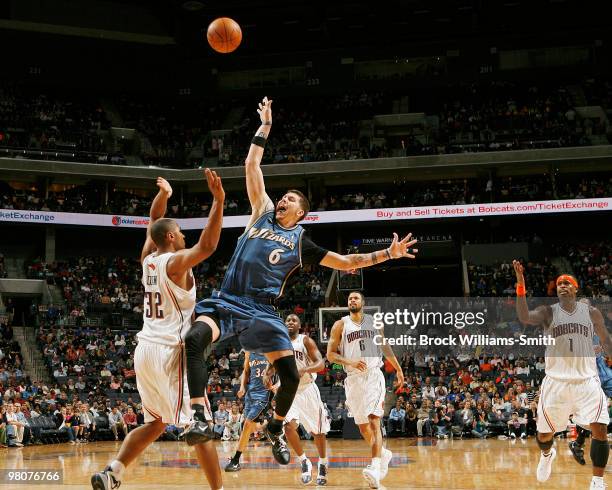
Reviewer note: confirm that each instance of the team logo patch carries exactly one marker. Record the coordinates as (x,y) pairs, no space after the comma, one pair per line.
(116,220)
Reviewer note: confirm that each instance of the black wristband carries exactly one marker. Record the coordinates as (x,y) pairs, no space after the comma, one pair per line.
(266,123)
(259,141)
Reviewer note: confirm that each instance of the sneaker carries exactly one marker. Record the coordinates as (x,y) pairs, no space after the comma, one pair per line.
(513,435)
(280,451)
(385,459)
(197,433)
(233,466)
(322,476)
(598,484)
(577,452)
(523,436)
(105,480)
(545,465)
(306,471)
(372,476)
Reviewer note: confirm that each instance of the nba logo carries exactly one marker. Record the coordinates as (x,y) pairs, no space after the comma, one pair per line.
(116,220)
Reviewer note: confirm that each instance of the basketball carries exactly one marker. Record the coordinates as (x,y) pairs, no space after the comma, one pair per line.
(224,35)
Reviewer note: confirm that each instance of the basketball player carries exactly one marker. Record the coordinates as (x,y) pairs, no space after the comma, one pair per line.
(571,384)
(169,301)
(605,377)
(351,344)
(258,397)
(307,408)
(268,252)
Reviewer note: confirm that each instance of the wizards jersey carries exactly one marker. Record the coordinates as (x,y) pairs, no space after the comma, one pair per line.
(265,257)
(258,364)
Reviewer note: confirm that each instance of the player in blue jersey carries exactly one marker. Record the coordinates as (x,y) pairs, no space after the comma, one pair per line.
(605,378)
(258,395)
(272,247)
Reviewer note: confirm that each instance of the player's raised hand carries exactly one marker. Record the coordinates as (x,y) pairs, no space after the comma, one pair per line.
(164,186)
(265,111)
(518,270)
(402,248)
(214,184)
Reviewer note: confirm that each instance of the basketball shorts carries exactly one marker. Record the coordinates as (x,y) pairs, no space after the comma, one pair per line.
(161,380)
(605,375)
(257,325)
(309,410)
(255,406)
(585,400)
(365,395)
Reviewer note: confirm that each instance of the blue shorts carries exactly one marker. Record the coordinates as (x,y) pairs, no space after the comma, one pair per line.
(257,325)
(254,407)
(605,375)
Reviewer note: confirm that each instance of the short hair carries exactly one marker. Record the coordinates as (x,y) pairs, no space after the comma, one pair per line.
(160,229)
(359,293)
(295,315)
(304,202)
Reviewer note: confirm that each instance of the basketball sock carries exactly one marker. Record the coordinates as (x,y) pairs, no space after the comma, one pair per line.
(197,344)
(322,460)
(117,467)
(236,457)
(376,463)
(275,426)
(302,457)
(199,412)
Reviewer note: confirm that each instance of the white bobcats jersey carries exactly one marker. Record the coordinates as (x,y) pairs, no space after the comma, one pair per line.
(303,361)
(358,343)
(572,357)
(167,308)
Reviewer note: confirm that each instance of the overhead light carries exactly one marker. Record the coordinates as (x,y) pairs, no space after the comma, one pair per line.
(193,5)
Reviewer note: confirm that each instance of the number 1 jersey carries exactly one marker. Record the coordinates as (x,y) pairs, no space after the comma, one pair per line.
(167,307)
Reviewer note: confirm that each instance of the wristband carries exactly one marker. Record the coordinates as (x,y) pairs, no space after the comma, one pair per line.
(266,123)
(520,290)
(259,141)
(388,254)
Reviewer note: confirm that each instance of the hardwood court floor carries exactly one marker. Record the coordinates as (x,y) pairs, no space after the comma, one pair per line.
(446,464)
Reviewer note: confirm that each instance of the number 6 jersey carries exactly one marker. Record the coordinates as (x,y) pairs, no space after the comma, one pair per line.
(167,307)
(358,343)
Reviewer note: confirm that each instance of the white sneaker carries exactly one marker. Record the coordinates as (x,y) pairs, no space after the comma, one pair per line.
(306,468)
(598,484)
(372,476)
(545,465)
(384,462)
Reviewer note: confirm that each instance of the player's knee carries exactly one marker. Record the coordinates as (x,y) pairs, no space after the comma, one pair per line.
(544,445)
(287,371)
(198,338)
(600,451)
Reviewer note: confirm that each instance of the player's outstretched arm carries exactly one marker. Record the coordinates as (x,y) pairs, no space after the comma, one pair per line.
(256,189)
(398,249)
(333,355)
(600,329)
(157,211)
(185,259)
(541,314)
(315,356)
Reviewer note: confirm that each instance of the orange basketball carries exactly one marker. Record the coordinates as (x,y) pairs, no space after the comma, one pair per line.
(224,35)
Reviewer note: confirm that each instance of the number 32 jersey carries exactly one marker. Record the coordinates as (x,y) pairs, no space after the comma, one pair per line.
(265,256)
(167,307)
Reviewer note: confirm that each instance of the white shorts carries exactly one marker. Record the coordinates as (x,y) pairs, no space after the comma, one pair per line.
(308,409)
(161,379)
(585,400)
(365,395)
